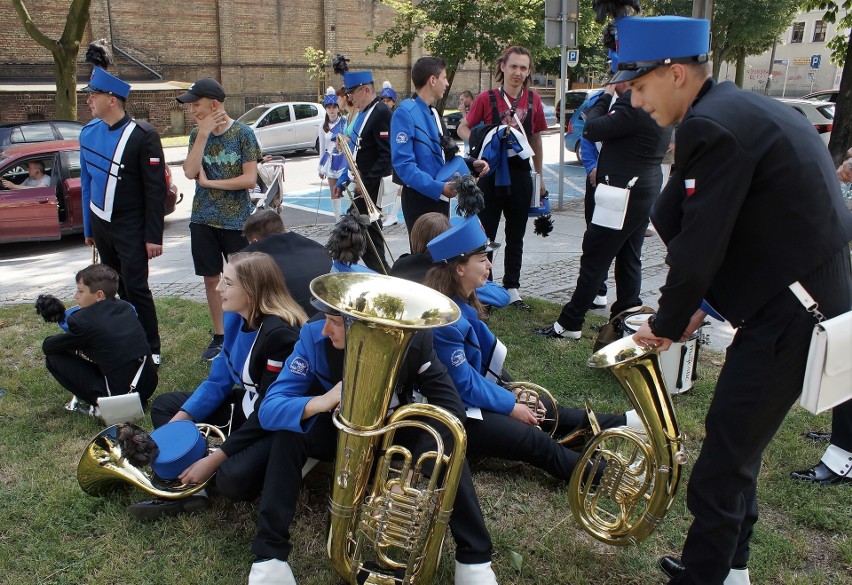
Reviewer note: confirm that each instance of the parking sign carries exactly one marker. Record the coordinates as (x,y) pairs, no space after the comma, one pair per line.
(815,61)
(573,57)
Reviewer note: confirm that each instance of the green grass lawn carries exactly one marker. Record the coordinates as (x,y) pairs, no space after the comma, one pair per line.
(51,532)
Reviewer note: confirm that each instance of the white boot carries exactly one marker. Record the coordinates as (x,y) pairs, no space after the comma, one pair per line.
(480,574)
(271,572)
(335,205)
(633,421)
(737,577)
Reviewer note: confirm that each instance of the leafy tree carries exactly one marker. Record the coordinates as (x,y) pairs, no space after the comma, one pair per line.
(64,52)
(458,31)
(318,63)
(841,53)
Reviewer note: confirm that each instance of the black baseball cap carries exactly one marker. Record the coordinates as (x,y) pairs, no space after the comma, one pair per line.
(206,87)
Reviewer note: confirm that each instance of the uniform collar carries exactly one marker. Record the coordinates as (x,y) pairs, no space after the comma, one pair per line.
(121,122)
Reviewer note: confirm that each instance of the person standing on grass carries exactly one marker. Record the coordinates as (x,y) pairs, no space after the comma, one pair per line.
(222,160)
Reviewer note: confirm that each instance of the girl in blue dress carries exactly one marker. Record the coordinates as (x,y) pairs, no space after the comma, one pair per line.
(331,161)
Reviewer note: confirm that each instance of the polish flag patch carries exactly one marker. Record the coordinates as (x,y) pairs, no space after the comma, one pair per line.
(384,134)
(689,184)
(153,161)
(274,366)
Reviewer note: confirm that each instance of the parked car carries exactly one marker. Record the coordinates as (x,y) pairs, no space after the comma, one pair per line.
(825,95)
(286,126)
(38,131)
(820,114)
(574,130)
(48,213)
(574,98)
(452,119)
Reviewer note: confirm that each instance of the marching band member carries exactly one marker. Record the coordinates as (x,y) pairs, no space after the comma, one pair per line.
(261,327)
(299,404)
(332,161)
(497,424)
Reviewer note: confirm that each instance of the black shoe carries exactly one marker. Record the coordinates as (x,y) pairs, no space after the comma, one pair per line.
(821,474)
(214,348)
(818,436)
(521,306)
(671,566)
(550,333)
(155,509)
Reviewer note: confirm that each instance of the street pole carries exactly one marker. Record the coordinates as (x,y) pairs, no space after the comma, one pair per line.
(563,67)
(771,66)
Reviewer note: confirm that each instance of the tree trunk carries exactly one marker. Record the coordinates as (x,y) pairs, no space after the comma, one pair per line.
(841,132)
(739,78)
(65,66)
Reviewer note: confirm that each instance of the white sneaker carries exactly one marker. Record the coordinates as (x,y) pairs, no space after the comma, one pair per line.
(479,574)
(155,357)
(737,577)
(271,572)
(599,302)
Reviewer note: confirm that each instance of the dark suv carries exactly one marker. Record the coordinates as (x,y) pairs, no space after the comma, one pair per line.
(38,131)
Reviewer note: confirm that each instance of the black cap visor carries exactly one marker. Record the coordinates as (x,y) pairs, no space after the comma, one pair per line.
(489,247)
(633,70)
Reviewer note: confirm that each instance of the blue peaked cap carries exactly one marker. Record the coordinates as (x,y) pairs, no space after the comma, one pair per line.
(103,82)
(354,79)
(647,43)
(465,238)
(181,445)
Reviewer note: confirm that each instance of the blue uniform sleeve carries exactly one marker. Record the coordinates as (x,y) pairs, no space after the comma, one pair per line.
(285,400)
(404,160)
(589,154)
(493,294)
(472,386)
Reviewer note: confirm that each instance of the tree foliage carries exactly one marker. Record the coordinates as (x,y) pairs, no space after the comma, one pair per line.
(64,51)
(839,12)
(318,63)
(458,31)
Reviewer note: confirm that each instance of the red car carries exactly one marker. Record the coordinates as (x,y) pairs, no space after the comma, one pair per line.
(48,213)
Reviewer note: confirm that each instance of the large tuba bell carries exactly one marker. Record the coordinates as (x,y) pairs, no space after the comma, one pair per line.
(103,467)
(393,534)
(642,470)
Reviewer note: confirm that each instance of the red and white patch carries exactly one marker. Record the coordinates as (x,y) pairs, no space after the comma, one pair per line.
(689,184)
(154,162)
(274,366)
(384,135)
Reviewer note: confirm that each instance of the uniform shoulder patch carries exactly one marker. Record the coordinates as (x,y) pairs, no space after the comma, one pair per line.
(458,357)
(401,138)
(299,366)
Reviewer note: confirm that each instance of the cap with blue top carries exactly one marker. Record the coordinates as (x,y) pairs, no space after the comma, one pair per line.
(352,80)
(387,91)
(181,444)
(647,43)
(103,82)
(466,237)
(330,98)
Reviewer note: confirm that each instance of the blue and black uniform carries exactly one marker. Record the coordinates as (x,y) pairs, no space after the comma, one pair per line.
(315,367)
(124,188)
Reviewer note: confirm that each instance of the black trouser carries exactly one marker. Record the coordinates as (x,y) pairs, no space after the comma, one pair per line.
(501,436)
(761,379)
(240,477)
(513,203)
(374,256)
(84,379)
(121,245)
(589,209)
(415,204)
(600,247)
(841,426)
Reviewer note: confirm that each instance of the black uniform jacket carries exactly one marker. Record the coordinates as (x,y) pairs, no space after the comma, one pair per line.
(753,206)
(108,333)
(633,144)
(300,259)
(374,153)
(275,342)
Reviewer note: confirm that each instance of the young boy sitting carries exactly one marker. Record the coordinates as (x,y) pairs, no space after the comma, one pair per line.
(107,331)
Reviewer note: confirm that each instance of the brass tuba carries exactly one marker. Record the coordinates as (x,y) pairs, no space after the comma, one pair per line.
(393,534)
(103,467)
(638,484)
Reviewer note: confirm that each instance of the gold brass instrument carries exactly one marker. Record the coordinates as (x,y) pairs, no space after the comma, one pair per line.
(103,468)
(638,484)
(394,534)
(372,211)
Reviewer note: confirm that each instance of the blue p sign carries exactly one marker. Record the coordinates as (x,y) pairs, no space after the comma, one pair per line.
(815,60)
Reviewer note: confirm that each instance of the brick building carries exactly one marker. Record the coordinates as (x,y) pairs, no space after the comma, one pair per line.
(256,49)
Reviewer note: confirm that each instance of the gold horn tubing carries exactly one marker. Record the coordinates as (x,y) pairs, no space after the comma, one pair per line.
(343,146)
(530,395)
(103,467)
(382,314)
(639,473)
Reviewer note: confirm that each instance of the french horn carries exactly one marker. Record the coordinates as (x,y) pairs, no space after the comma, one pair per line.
(103,468)
(625,481)
(389,508)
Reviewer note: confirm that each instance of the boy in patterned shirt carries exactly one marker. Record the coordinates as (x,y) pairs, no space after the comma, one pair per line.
(222,159)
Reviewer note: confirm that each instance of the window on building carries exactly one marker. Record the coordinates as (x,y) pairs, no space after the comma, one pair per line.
(798,32)
(819,31)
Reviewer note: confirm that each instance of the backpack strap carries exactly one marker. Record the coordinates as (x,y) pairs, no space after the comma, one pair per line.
(528,119)
(495,115)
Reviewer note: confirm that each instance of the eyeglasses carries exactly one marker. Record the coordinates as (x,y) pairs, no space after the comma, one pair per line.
(354,91)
